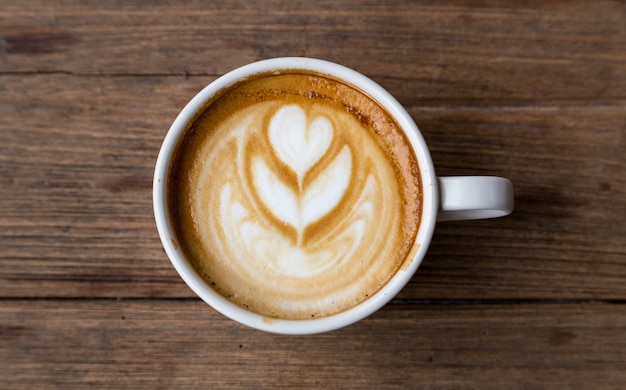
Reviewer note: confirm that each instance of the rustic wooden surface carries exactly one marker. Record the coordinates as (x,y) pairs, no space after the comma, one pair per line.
(533,92)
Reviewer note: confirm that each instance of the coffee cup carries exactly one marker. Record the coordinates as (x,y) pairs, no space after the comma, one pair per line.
(297,196)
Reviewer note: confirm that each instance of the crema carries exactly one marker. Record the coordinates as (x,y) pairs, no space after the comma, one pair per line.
(295,195)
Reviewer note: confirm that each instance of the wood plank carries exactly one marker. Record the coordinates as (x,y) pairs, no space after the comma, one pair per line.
(451,50)
(76,171)
(76,218)
(181,344)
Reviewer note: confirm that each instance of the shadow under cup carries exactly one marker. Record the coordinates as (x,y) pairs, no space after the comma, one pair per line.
(167,224)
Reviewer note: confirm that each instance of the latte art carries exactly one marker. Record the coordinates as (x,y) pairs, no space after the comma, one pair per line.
(300,147)
(292,205)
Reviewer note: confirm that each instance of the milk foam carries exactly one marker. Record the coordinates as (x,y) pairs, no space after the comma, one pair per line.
(297,210)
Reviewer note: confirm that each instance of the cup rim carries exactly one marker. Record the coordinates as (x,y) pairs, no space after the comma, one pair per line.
(284,326)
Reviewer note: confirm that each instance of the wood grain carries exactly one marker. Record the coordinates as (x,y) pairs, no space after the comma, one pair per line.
(436,50)
(181,344)
(533,91)
(77,165)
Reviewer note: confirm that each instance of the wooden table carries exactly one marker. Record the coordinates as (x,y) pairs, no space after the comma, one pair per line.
(535,93)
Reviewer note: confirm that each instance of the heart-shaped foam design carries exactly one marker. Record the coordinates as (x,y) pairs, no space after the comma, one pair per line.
(296,144)
(320,197)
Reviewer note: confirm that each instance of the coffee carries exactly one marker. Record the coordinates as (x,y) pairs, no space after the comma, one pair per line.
(295,195)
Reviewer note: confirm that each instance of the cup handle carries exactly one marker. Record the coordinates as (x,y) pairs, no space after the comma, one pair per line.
(474,197)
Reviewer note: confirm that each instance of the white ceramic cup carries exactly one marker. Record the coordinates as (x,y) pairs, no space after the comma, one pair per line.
(444,199)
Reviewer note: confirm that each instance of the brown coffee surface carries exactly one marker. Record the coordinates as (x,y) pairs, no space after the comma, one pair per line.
(295,195)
